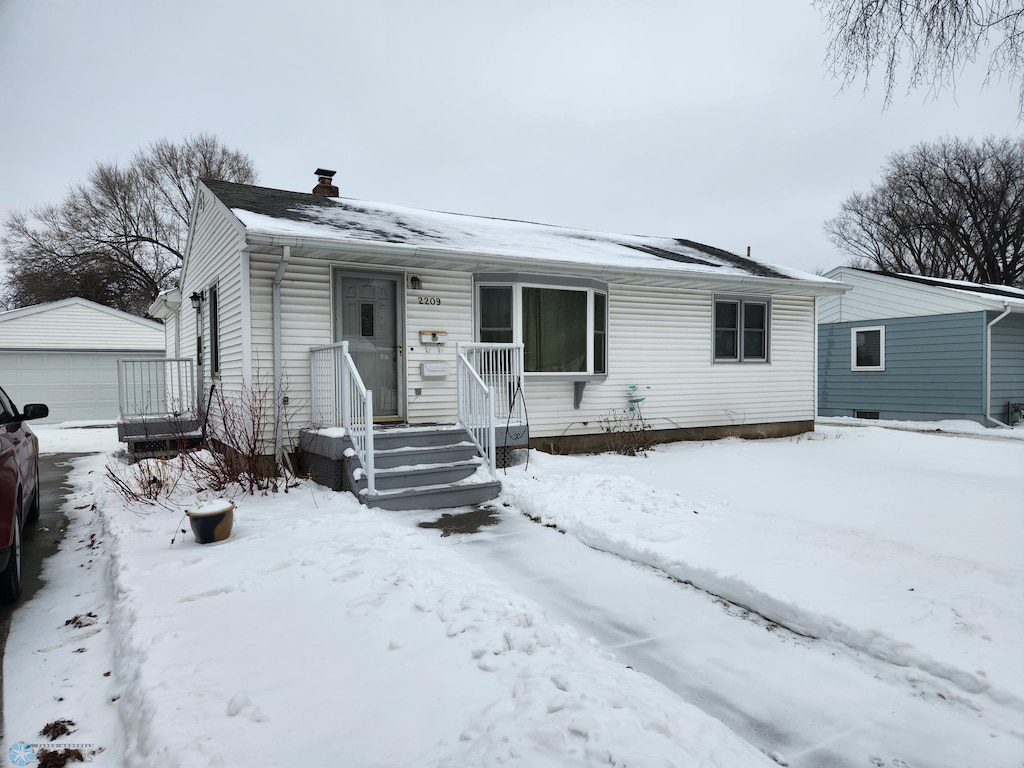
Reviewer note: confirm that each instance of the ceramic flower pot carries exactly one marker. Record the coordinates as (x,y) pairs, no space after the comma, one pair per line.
(212,521)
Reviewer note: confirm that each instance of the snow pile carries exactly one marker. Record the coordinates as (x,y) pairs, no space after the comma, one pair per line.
(902,560)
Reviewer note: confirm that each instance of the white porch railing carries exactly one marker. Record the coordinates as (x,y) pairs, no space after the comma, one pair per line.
(149,387)
(489,381)
(339,396)
(500,366)
(476,409)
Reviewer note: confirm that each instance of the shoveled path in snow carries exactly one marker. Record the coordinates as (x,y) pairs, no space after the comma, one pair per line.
(805,702)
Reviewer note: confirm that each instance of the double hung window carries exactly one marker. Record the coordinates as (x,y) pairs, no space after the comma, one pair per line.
(741,329)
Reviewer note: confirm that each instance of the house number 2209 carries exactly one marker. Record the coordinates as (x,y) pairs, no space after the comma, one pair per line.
(429,300)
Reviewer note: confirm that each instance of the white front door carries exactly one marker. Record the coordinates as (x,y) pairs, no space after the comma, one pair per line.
(367,315)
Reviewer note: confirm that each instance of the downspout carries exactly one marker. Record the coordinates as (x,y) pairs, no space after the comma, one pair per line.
(286,254)
(988,367)
(177,332)
(814,362)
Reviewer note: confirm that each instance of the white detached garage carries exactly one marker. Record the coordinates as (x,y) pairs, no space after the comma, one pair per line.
(65,354)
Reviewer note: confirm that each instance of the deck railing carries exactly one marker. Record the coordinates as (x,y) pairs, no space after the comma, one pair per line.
(339,397)
(156,387)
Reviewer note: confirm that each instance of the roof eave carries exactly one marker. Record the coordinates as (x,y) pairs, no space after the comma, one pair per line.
(992,303)
(165,304)
(479,260)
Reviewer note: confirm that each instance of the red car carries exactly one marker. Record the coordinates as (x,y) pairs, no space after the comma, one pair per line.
(19,488)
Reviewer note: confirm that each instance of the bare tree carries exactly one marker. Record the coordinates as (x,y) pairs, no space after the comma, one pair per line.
(950,209)
(119,237)
(932,40)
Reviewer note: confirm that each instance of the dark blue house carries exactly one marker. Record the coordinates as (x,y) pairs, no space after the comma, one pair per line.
(907,347)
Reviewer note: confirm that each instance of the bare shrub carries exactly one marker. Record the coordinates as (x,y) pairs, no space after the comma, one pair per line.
(240,431)
(627,432)
(146,481)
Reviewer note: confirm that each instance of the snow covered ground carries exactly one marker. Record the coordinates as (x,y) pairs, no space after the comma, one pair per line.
(851,597)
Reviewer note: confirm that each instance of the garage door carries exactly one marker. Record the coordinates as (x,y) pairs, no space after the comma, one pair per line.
(77,386)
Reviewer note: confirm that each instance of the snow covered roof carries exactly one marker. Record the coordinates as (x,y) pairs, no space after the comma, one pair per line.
(272,212)
(987,289)
(984,295)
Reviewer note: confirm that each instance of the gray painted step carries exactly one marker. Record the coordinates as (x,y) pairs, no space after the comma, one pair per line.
(429,454)
(426,474)
(433,496)
(415,468)
(384,439)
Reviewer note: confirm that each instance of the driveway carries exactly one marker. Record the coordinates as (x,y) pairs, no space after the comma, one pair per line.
(660,627)
(40,541)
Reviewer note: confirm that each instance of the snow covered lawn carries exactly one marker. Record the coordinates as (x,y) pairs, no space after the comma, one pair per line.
(324,633)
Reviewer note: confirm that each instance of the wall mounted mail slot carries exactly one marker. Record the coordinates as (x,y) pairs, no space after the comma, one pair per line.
(434,370)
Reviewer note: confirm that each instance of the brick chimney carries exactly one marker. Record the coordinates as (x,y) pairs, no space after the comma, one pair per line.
(325,183)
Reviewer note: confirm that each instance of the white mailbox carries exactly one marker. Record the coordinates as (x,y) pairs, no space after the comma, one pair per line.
(434,370)
(433,337)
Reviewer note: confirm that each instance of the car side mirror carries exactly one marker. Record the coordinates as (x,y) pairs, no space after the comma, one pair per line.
(35,411)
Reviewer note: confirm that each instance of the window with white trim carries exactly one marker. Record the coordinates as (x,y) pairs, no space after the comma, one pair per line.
(741,329)
(867,348)
(563,327)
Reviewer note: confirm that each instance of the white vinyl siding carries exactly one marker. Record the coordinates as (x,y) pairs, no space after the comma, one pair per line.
(307,321)
(662,338)
(453,315)
(215,257)
(657,337)
(76,324)
(876,296)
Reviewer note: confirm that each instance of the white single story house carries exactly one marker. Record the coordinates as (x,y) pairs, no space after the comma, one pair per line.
(899,346)
(571,333)
(64,353)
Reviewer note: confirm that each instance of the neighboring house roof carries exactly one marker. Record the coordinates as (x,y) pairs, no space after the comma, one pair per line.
(878,295)
(962,286)
(273,212)
(77,323)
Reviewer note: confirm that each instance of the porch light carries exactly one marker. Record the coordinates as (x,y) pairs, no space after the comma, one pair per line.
(197,300)
(415,283)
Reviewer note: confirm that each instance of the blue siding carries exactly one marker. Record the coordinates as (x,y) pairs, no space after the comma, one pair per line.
(934,369)
(1007,363)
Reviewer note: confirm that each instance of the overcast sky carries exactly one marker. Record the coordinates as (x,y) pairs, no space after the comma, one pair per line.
(713,121)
